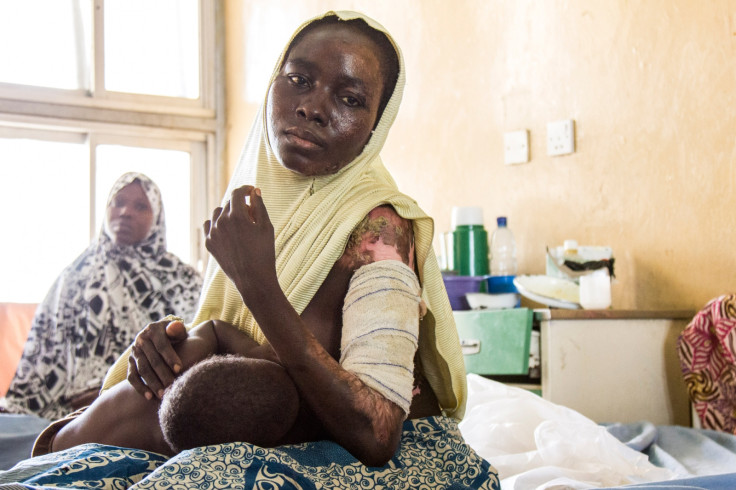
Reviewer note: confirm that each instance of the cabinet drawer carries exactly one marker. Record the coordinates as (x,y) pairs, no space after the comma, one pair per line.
(495,342)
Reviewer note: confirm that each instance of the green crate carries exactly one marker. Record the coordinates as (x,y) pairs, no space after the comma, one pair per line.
(495,341)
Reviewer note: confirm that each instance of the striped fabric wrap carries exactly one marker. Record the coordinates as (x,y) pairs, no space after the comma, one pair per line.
(313,218)
(381,329)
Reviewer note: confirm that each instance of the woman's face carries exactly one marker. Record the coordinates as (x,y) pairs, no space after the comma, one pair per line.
(129,215)
(323,104)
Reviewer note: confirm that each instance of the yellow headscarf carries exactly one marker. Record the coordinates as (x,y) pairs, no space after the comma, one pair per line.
(313,218)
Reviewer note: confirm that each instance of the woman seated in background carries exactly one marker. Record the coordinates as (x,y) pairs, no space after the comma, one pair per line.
(125,279)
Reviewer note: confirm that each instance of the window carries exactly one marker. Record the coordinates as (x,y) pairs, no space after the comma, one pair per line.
(92,89)
(164,46)
(46,44)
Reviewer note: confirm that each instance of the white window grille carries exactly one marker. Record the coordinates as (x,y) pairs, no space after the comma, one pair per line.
(90,89)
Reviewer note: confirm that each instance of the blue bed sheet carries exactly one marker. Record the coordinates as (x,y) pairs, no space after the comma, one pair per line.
(705,458)
(17,435)
(726,481)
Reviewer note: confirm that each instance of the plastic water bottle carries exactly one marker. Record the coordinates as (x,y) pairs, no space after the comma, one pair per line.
(503,260)
(503,250)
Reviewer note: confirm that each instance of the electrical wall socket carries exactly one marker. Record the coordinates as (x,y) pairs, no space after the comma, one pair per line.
(516,147)
(561,137)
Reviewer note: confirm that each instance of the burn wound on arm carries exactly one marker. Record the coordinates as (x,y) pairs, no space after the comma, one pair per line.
(381,235)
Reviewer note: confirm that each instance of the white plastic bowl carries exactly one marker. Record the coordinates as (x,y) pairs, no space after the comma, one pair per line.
(486,301)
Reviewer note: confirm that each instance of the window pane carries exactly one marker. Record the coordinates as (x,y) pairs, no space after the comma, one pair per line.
(46,43)
(44,196)
(169,169)
(152,47)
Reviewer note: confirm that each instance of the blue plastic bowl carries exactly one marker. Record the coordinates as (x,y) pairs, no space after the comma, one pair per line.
(501,284)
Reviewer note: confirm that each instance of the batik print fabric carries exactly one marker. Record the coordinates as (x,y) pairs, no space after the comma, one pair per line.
(432,455)
(707,349)
(94,310)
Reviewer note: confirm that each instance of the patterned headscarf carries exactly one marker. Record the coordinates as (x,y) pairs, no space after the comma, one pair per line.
(313,218)
(96,307)
(155,240)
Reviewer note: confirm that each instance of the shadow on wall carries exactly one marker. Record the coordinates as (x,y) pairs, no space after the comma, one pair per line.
(669,291)
(675,382)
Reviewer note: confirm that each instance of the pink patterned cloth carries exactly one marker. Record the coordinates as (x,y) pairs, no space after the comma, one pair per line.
(707,350)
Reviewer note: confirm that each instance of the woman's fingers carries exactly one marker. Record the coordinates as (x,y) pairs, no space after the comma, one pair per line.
(238,205)
(176,331)
(216,214)
(134,378)
(238,199)
(150,367)
(259,214)
(157,363)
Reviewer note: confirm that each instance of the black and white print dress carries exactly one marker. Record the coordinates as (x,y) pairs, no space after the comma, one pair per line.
(95,309)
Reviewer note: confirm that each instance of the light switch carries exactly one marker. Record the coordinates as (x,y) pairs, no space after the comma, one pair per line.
(561,137)
(516,147)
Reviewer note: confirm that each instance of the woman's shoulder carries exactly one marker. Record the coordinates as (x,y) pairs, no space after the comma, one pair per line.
(381,235)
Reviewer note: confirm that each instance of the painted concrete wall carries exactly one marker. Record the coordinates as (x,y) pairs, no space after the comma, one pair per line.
(651,87)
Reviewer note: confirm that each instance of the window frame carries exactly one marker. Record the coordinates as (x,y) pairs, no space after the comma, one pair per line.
(138,119)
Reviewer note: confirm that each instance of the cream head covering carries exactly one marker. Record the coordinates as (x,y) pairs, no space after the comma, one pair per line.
(313,218)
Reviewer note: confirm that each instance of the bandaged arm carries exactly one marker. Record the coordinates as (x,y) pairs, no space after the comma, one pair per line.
(381,329)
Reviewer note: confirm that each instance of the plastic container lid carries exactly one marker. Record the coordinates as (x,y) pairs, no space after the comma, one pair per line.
(466,215)
(501,221)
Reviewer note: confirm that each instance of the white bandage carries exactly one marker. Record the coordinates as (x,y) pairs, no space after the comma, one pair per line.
(381,329)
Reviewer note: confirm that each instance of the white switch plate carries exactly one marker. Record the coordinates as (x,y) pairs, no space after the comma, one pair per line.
(516,147)
(561,137)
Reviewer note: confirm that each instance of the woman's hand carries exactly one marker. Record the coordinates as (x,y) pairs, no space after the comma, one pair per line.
(240,237)
(153,363)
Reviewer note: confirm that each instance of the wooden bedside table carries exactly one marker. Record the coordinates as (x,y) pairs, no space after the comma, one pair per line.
(615,365)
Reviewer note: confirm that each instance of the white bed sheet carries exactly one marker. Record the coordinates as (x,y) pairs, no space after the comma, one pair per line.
(536,444)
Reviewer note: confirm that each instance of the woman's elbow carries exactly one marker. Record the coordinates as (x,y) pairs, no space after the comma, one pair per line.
(379,449)
(376,458)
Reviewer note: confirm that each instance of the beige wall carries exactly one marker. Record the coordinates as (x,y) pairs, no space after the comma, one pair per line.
(651,87)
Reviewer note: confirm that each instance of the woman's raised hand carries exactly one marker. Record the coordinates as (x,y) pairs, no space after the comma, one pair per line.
(153,363)
(240,237)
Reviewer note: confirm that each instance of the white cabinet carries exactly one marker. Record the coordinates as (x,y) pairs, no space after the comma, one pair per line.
(615,365)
